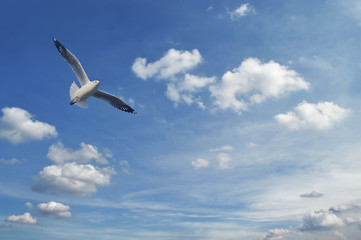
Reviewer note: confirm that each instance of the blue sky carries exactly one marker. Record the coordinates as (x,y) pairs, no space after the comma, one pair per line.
(247,125)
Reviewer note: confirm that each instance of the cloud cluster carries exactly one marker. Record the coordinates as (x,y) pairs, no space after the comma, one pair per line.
(320,116)
(242,11)
(17,126)
(173,68)
(253,82)
(317,220)
(54,209)
(71,174)
(339,222)
(50,209)
(26,218)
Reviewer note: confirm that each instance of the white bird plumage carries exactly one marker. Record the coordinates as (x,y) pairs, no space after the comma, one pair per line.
(88,88)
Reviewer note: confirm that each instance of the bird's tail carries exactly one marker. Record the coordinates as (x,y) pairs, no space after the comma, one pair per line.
(73,89)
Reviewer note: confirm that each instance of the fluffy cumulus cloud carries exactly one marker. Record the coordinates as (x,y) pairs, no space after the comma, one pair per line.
(320,116)
(171,64)
(26,218)
(242,11)
(54,209)
(253,82)
(17,126)
(318,220)
(60,154)
(200,163)
(72,178)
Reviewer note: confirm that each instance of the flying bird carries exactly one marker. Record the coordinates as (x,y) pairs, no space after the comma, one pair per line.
(88,88)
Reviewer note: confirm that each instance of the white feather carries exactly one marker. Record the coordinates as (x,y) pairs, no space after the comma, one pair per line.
(73,89)
(82,104)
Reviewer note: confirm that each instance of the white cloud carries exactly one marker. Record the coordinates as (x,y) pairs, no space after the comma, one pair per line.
(223,148)
(60,155)
(320,116)
(183,89)
(72,178)
(171,64)
(29,206)
(312,194)
(315,62)
(351,8)
(251,145)
(242,11)
(317,220)
(275,234)
(339,208)
(54,209)
(339,234)
(224,161)
(253,82)
(26,218)
(17,126)
(200,163)
(11,161)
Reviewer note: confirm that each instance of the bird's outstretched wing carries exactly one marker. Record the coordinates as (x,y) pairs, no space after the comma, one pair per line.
(73,62)
(114,101)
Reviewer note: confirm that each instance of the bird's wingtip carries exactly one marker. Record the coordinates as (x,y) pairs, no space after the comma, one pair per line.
(54,39)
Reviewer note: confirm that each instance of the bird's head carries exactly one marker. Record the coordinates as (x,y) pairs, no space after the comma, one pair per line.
(96,82)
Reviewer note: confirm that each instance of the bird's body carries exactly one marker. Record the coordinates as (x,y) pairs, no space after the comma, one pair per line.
(88,88)
(81,94)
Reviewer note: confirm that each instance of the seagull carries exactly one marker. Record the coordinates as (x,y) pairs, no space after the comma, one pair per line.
(88,88)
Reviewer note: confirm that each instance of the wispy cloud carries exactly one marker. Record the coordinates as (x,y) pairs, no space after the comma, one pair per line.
(200,163)
(223,148)
(11,161)
(242,11)
(275,234)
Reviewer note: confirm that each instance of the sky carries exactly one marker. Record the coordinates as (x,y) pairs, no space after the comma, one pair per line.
(247,123)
